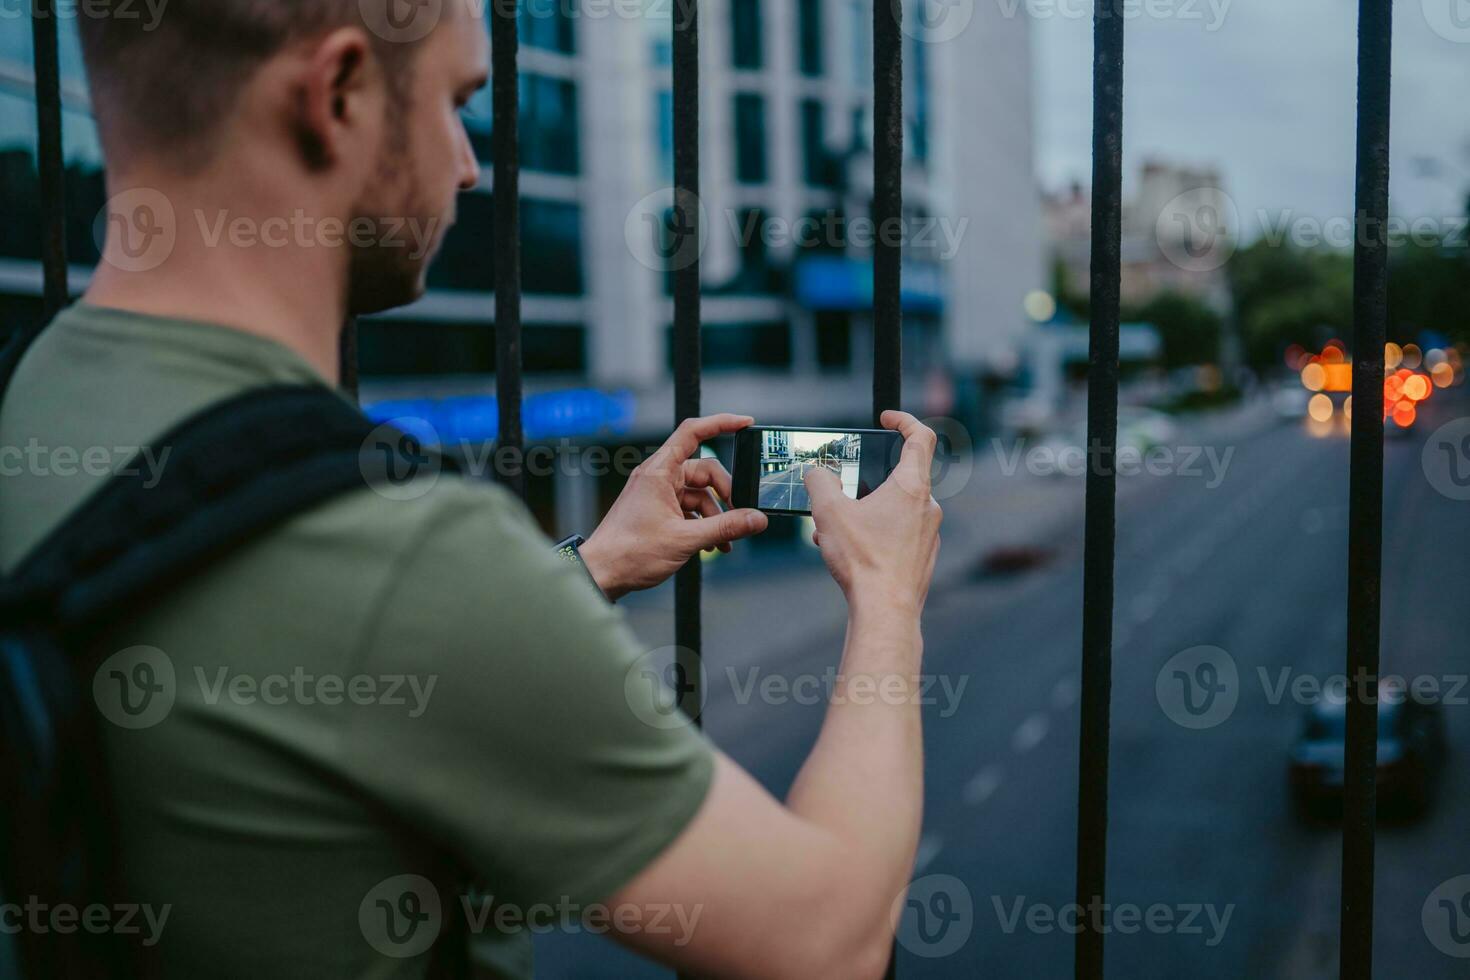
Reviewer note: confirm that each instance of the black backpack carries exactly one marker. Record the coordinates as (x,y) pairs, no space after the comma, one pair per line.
(234,471)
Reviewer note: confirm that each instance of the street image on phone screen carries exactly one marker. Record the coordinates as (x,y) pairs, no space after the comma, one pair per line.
(772,462)
(787,454)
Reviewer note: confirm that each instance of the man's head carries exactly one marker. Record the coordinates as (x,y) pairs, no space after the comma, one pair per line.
(344,110)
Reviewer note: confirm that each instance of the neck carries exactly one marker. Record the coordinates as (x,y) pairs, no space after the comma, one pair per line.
(255,264)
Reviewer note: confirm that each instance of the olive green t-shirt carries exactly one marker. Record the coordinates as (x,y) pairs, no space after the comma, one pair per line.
(341,723)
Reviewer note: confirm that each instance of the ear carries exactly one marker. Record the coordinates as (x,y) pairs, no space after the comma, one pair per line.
(339,98)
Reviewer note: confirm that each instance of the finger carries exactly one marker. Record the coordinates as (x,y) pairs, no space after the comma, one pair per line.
(731,525)
(824,489)
(708,473)
(691,432)
(700,502)
(916,462)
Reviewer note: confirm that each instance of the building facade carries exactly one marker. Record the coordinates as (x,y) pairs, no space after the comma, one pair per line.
(786,181)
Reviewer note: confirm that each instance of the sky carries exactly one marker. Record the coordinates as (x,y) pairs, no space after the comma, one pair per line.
(1265,91)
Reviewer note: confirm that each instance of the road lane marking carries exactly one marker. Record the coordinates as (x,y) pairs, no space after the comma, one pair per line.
(1064,695)
(929,847)
(984,785)
(1030,733)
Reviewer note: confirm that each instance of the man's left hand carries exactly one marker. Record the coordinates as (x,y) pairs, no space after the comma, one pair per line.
(669,511)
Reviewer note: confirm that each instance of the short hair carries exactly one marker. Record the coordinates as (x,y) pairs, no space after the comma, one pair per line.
(172,81)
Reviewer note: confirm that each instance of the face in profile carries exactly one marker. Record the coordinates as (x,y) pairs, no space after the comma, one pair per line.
(426,159)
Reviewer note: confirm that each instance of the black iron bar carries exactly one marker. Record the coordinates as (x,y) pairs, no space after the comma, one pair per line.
(50,162)
(888,220)
(887,205)
(685,267)
(505,96)
(1365,490)
(1101,516)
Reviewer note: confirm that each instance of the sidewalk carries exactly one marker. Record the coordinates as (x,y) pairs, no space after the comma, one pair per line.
(757,616)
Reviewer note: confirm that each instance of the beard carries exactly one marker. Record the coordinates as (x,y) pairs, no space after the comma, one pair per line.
(389,256)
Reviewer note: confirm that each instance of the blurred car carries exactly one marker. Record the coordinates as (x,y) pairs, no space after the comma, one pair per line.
(1411,750)
(1139,430)
(1289,401)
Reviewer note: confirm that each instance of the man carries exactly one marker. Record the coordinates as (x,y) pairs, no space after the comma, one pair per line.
(289,834)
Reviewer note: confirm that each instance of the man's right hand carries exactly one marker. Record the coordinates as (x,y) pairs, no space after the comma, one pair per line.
(882,549)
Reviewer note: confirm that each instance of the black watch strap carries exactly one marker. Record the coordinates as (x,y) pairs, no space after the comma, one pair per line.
(568,549)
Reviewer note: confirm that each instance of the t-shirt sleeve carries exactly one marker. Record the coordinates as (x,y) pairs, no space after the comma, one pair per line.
(542,757)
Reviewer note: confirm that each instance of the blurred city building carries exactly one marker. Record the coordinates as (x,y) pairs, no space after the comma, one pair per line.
(786,183)
(1176,222)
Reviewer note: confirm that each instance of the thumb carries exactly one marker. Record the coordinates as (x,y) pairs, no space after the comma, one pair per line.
(732,525)
(823,487)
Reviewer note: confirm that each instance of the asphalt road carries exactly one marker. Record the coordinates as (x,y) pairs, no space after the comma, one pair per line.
(1201,826)
(786,489)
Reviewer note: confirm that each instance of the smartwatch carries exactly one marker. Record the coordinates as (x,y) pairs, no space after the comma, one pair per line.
(567,550)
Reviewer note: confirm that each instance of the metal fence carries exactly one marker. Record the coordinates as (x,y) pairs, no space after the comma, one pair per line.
(1369,334)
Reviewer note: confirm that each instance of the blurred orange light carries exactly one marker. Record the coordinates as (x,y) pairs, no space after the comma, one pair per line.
(1333,355)
(1404,414)
(1443,375)
(1320,407)
(1393,388)
(1314,377)
(1347,408)
(1393,355)
(1413,357)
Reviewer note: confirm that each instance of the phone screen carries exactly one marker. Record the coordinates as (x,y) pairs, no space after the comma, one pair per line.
(771,463)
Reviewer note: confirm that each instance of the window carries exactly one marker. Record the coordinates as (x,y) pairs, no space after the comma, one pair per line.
(663,113)
(819,168)
(809,37)
(405,348)
(547,26)
(741,345)
(551,247)
(745,33)
(834,338)
(548,125)
(750,138)
(919,124)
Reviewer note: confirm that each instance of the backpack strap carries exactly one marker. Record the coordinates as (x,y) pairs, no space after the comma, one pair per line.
(228,473)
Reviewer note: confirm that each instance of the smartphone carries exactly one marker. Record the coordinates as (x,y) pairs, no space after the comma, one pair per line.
(771,463)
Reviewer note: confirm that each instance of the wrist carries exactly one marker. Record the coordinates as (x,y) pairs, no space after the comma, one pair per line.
(602,568)
(883,602)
